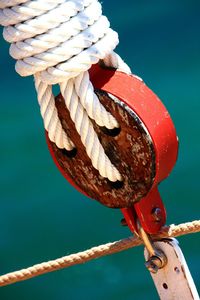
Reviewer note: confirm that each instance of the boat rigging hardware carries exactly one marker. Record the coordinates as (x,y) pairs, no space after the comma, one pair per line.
(156,258)
(173,281)
(144,150)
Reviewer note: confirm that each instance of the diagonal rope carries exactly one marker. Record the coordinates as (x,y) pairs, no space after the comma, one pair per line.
(95,252)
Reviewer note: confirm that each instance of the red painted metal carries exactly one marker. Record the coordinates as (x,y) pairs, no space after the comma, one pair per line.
(132,91)
(143,210)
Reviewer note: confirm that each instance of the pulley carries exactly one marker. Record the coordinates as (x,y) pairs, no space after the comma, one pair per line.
(144,149)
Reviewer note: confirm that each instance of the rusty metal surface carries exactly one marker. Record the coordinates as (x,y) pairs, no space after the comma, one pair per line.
(130,149)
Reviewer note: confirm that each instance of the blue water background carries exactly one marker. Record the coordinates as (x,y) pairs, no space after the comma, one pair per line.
(42,217)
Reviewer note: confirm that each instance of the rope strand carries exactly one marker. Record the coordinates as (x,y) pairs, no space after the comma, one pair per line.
(95,252)
(57,41)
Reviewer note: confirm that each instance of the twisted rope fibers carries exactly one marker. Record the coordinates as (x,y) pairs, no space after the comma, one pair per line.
(57,41)
(95,252)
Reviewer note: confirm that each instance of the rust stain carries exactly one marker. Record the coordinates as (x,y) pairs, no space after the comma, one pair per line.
(131,151)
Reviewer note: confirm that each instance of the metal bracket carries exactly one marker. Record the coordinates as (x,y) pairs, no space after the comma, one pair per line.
(150,211)
(174,281)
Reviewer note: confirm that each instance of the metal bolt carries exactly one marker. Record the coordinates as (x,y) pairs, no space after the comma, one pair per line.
(154,264)
(123,222)
(157,214)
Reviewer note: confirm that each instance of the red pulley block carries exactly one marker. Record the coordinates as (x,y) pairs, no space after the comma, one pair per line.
(144,149)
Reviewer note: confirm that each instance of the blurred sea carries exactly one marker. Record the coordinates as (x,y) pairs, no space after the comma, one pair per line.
(43,217)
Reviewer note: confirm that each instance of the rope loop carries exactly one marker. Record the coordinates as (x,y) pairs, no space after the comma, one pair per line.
(57,41)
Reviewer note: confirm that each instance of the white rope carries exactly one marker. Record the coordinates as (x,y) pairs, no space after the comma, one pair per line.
(57,41)
(88,136)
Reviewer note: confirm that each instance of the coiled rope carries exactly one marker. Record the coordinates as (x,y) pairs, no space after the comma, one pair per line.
(57,41)
(95,252)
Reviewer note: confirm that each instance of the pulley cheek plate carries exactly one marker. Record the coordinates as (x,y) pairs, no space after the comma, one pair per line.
(132,91)
(144,150)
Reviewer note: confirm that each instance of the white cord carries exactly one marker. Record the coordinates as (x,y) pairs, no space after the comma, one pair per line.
(57,41)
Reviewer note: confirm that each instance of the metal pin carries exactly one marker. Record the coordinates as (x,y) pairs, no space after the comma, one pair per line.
(157,259)
(157,214)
